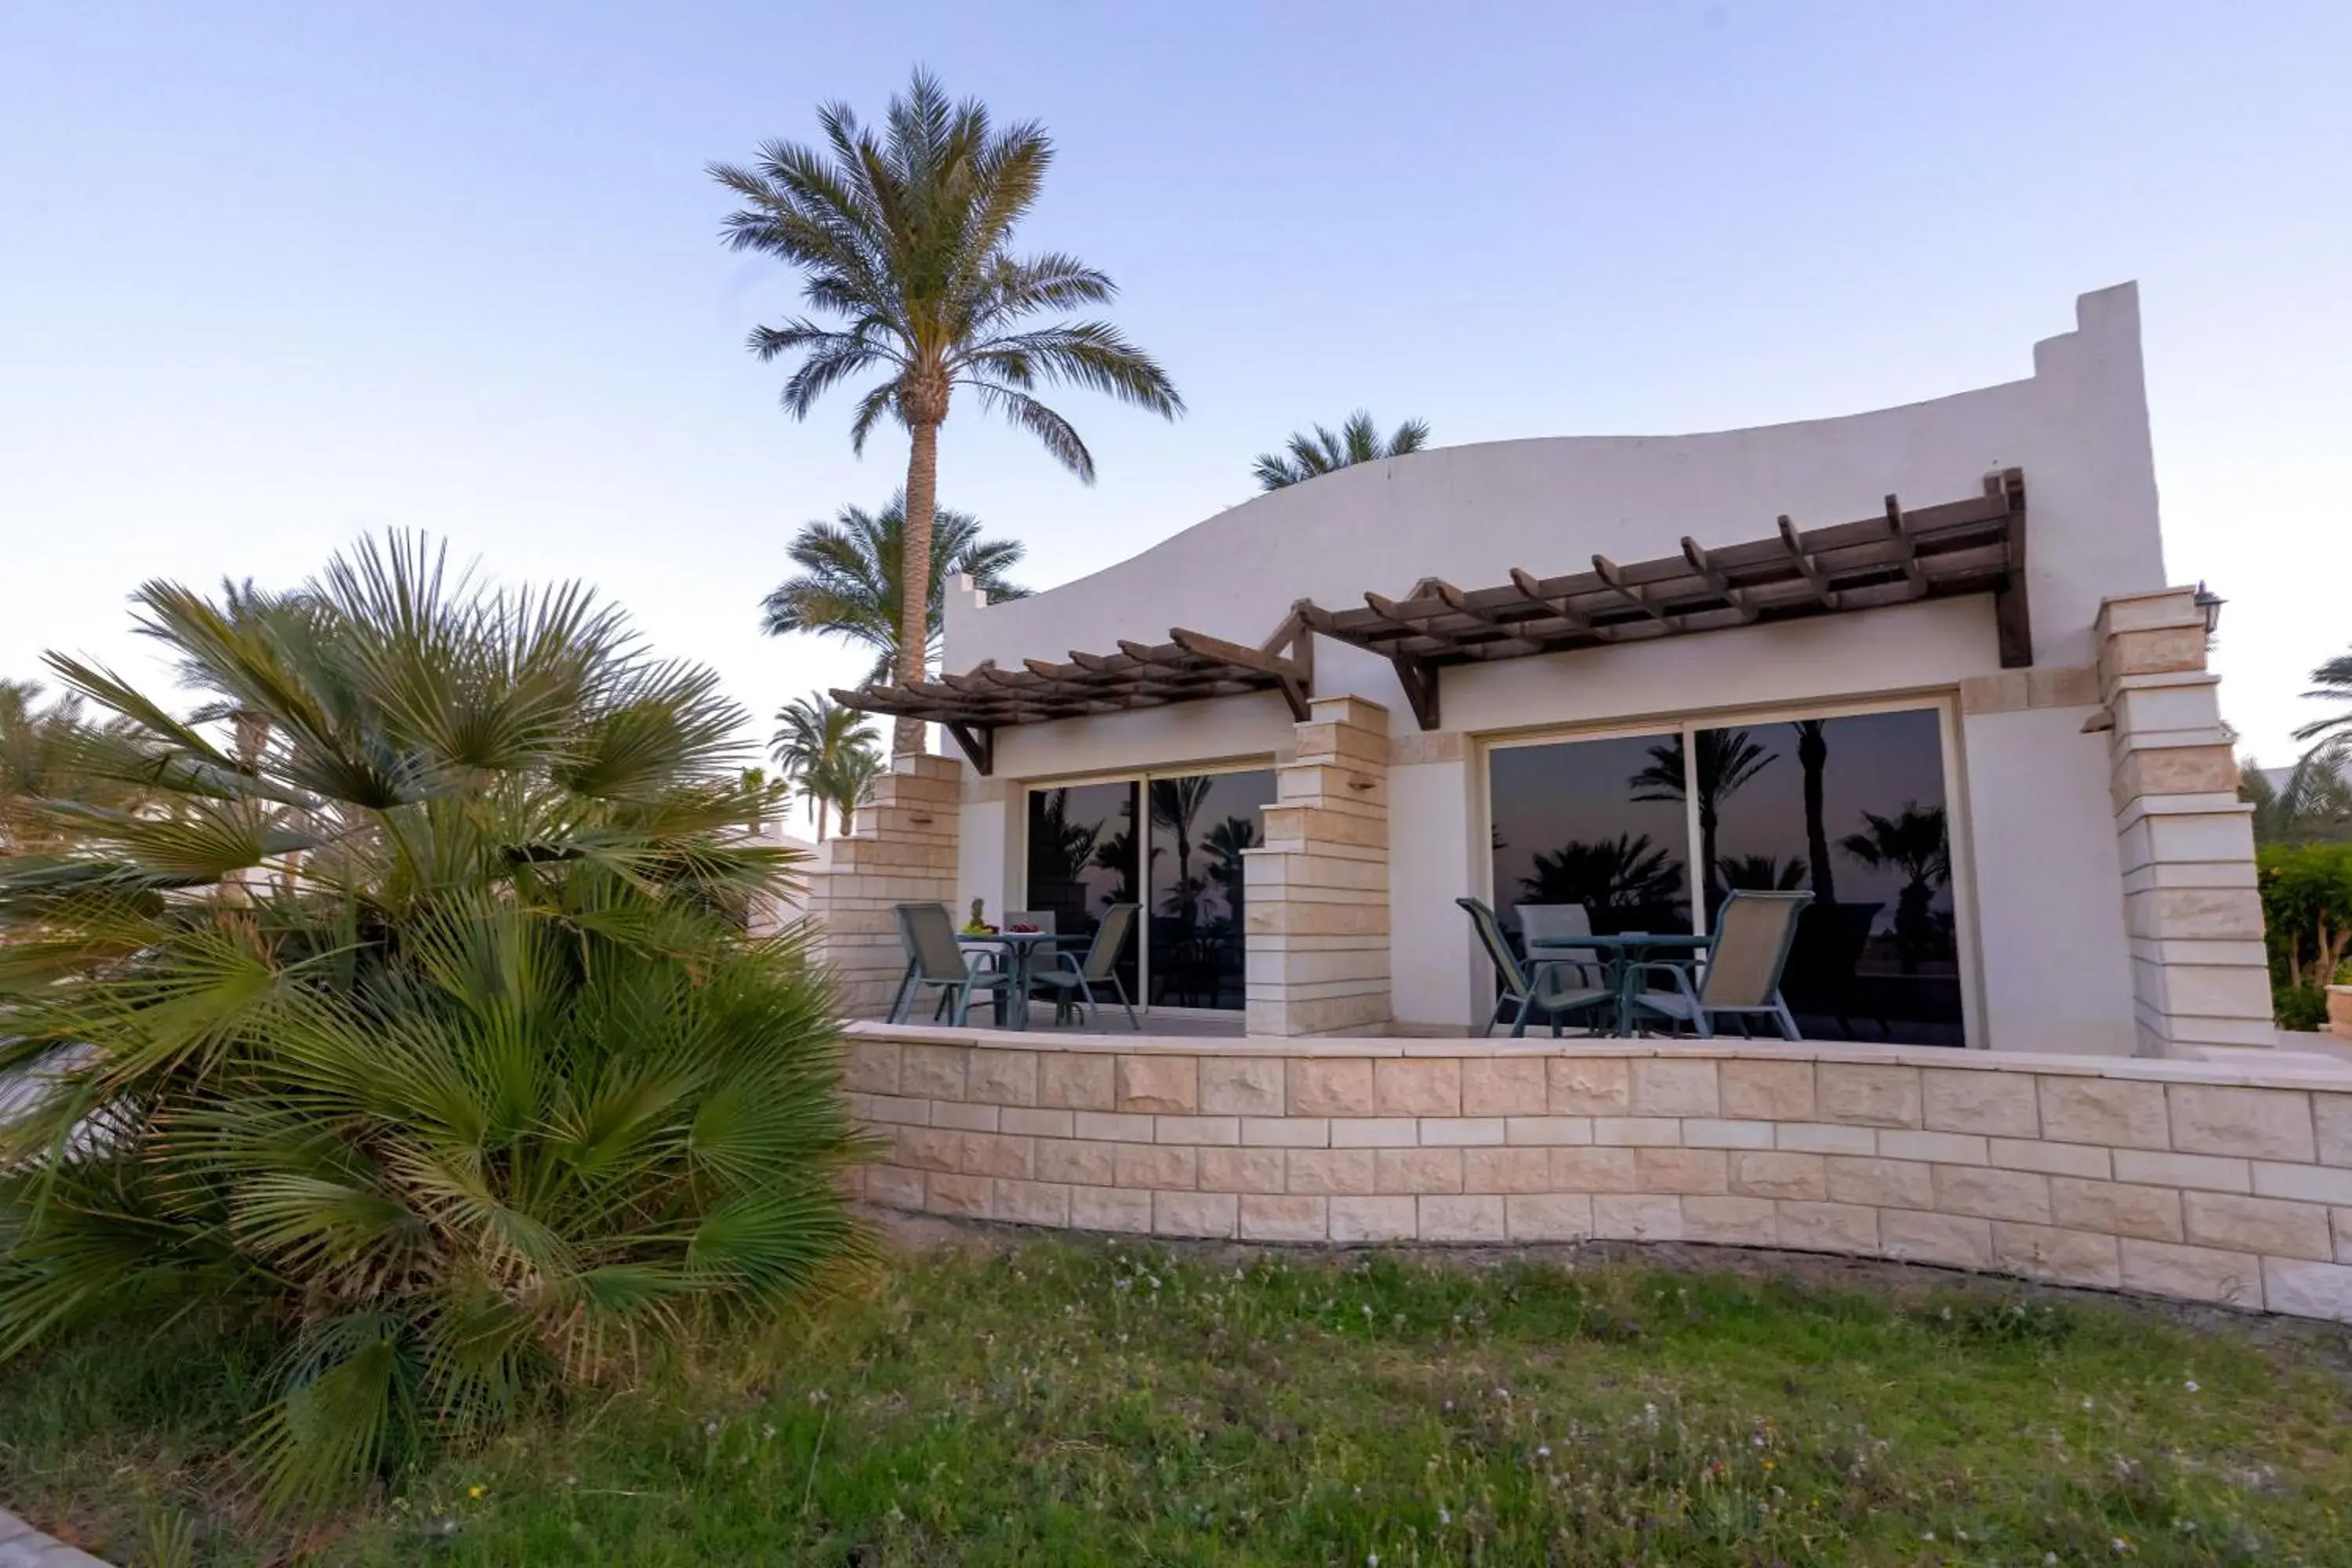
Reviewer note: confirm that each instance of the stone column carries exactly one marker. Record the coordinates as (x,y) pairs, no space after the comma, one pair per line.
(901,849)
(2199,976)
(1317,889)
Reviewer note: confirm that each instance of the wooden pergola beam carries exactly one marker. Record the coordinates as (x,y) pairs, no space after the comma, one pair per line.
(1608,572)
(2012,612)
(1807,567)
(1703,566)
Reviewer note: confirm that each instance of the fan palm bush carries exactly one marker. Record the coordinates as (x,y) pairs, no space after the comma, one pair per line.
(413,1026)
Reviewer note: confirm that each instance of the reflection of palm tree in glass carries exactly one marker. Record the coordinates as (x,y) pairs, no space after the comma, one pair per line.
(1627,872)
(1726,760)
(1761,873)
(1916,843)
(1175,804)
(1068,847)
(1224,844)
(1814,755)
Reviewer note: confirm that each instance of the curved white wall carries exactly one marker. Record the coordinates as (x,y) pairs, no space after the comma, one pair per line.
(2052,967)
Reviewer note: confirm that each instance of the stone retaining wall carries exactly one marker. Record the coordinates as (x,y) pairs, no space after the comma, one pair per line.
(2190,1179)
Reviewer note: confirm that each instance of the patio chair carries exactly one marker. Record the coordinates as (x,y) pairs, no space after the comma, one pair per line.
(934,958)
(1740,971)
(1553,987)
(1077,982)
(1550,923)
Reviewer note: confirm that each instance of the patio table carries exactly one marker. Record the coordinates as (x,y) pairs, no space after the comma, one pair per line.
(1621,951)
(1020,949)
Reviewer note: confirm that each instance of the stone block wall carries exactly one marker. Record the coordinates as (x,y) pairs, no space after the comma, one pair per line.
(2200,975)
(2176,1179)
(901,849)
(1317,933)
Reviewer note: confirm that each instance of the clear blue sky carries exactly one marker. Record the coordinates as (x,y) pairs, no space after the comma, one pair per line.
(271,275)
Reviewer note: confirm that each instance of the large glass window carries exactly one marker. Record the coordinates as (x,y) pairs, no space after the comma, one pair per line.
(1596,823)
(1082,858)
(1201,823)
(1852,808)
(1184,868)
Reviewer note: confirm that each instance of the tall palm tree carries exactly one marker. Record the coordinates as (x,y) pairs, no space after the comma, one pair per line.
(1175,804)
(1724,761)
(2332,682)
(2314,801)
(1328,451)
(813,733)
(847,782)
(46,753)
(1812,757)
(852,578)
(904,241)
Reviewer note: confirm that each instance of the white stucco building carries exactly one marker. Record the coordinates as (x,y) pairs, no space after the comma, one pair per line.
(1926,660)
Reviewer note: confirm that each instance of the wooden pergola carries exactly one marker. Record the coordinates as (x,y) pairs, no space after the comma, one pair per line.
(1187,667)
(1971,546)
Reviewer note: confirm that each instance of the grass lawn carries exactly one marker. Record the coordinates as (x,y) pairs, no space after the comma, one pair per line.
(1083,1402)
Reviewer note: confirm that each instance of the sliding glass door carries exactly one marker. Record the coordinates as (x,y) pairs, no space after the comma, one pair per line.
(1184,868)
(1850,807)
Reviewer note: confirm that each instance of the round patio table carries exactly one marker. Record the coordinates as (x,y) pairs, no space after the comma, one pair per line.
(1621,951)
(1021,948)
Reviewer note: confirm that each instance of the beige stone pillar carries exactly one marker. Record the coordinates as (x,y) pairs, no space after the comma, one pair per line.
(2199,976)
(901,849)
(1317,890)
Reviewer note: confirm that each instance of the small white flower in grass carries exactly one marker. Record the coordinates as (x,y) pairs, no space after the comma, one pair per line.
(767,1430)
(2190,1386)
(2047,1558)
(1444,1514)
(818,1396)
(2086,1405)
(1544,1452)
(711,1427)
(1928,1536)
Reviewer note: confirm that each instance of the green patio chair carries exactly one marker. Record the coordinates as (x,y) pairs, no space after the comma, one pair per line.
(935,958)
(1072,980)
(1741,969)
(1552,987)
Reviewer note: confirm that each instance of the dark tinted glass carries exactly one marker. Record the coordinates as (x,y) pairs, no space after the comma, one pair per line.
(1853,809)
(1597,823)
(1082,859)
(1201,823)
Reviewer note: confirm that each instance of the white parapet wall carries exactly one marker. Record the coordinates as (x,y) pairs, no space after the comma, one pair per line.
(2218,1182)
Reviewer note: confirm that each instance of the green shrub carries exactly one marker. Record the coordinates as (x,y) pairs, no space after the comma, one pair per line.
(412,1024)
(2299,1007)
(2306,891)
